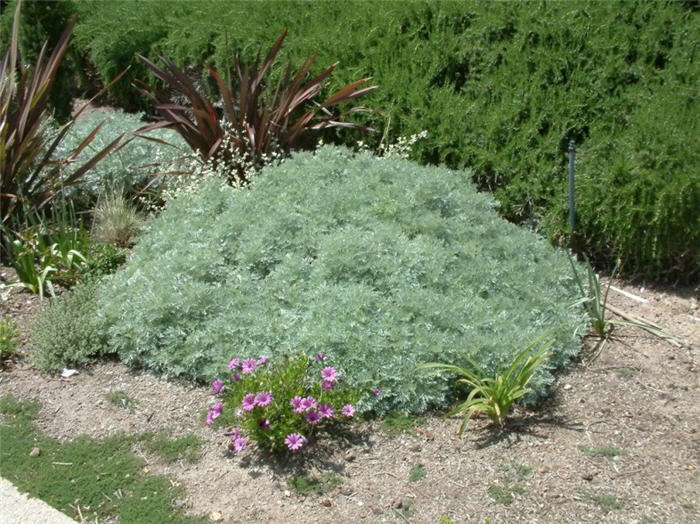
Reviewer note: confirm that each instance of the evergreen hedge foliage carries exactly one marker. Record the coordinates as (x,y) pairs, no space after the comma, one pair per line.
(44,22)
(501,88)
(381,263)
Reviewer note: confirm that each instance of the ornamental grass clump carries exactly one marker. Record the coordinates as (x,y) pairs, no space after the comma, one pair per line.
(282,406)
(495,396)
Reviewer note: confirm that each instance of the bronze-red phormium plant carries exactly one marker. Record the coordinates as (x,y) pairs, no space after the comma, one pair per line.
(29,177)
(254,120)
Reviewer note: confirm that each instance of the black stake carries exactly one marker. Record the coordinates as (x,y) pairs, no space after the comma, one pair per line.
(572,222)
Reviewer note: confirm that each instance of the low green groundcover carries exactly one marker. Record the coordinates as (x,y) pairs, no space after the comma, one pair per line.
(380,263)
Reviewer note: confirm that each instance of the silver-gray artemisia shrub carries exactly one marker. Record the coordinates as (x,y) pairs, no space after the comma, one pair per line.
(381,263)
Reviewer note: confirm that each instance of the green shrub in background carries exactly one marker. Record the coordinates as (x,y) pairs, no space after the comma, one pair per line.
(380,263)
(501,88)
(126,170)
(65,333)
(42,22)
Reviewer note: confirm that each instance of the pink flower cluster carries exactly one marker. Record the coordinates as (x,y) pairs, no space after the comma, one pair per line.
(294,441)
(315,413)
(217,386)
(311,410)
(253,400)
(246,366)
(214,413)
(239,440)
(328,376)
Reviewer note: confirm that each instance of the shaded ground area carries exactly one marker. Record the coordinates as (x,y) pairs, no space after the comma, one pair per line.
(616,442)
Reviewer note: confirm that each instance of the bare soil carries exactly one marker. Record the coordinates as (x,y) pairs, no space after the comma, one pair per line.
(634,396)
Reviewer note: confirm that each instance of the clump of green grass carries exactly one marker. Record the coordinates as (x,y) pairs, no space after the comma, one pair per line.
(12,407)
(308,485)
(607,502)
(517,471)
(186,447)
(115,221)
(122,400)
(395,424)
(417,473)
(101,478)
(405,509)
(500,494)
(625,373)
(607,451)
(511,483)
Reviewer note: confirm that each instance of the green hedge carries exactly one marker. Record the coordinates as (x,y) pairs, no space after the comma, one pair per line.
(44,22)
(383,264)
(501,88)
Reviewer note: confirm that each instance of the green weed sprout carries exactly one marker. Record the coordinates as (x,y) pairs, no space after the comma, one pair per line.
(9,338)
(594,299)
(495,395)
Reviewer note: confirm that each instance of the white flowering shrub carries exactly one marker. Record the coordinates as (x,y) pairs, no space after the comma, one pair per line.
(232,166)
(379,262)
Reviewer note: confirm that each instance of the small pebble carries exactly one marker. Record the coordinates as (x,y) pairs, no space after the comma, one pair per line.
(215,516)
(35,452)
(327,503)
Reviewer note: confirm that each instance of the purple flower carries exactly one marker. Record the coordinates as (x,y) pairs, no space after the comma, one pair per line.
(236,377)
(348,410)
(318,357)
(327,385)
(294,441)
(249,402)
(217,386)
(263,399)
(234,364)
(325,410)
(214,413)
(296,404)
(264,423)
(239,443)
(329,373)
(262,360)
(313,417)
(248,366)
(377,392)
(308,403)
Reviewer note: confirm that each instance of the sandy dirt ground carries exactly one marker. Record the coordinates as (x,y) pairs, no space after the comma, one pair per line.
(635,396)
